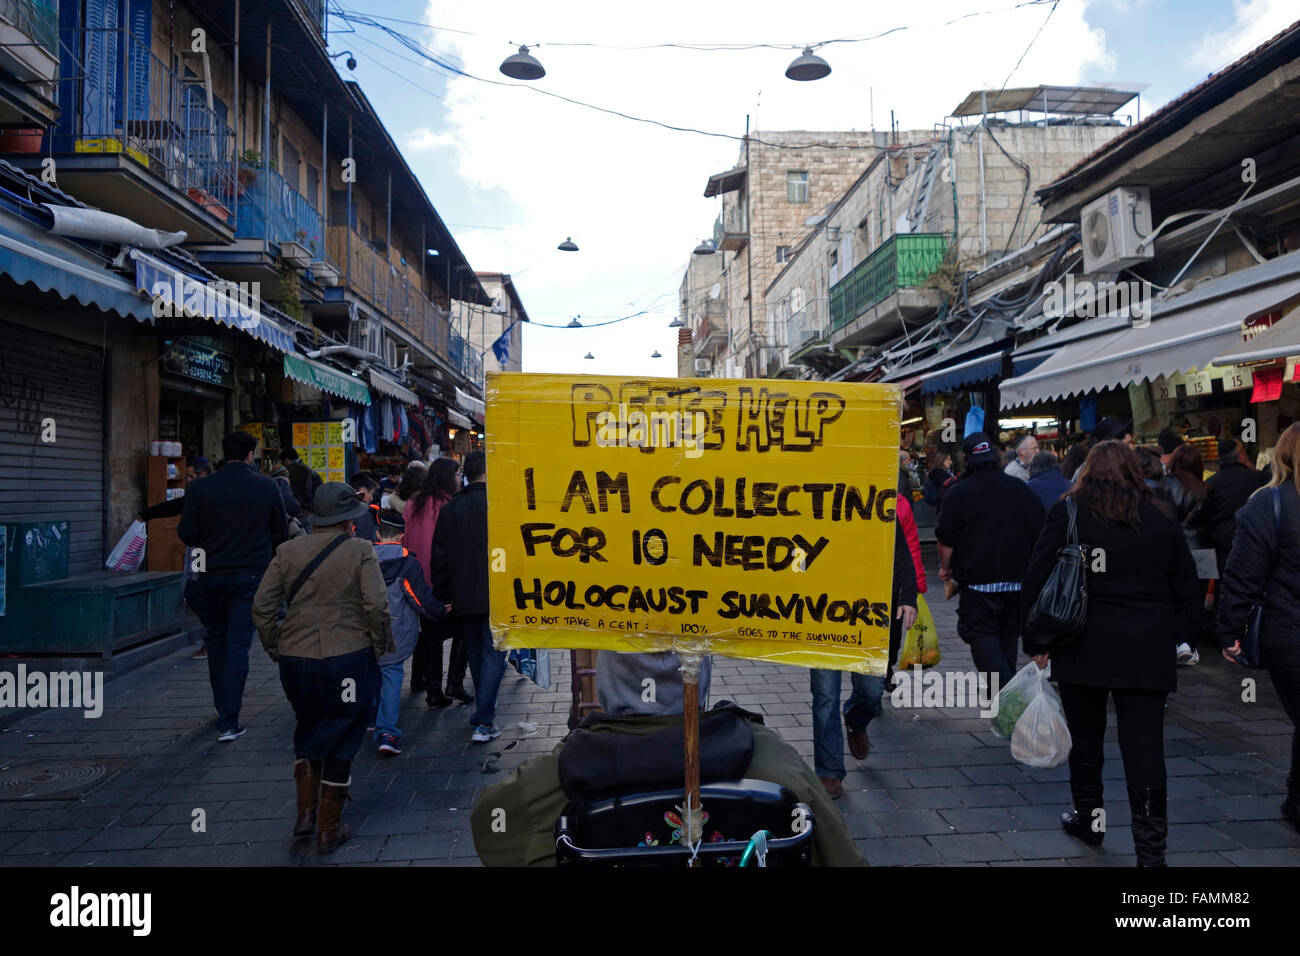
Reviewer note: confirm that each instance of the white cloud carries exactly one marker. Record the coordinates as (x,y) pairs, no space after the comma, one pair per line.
(1255,22)
(419,140)
(631,194)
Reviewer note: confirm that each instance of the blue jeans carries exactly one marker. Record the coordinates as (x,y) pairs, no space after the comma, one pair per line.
(863,704)
(486,666)
(223,601)
(390,700)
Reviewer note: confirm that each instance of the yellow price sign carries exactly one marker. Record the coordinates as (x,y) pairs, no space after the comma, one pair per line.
(753,519)
(301,434)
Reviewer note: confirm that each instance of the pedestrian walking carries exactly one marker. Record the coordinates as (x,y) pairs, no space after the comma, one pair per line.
(1073,460)
(1141,584)
(421,516)
(199,468)
(232,518)
(1263,568)
(459,564)
(302,479)
(863,704)
(1229,489)
(1188,496)
(367,526)
(410,603)
(1046,480)
(1026,447)
(986,532)
(327,647)
(940,472)
(412,478)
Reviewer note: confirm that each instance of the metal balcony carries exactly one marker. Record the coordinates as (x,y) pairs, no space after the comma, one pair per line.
(731,231)
(269,208)
(902,261)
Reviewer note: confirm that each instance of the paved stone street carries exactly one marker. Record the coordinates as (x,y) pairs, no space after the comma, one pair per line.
(938,788)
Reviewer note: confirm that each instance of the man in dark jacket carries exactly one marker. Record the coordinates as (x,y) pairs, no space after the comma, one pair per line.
(231,520)
(302,479)
(986,533)
(1235,481)
(1046,480)
(367,526)
(458,563)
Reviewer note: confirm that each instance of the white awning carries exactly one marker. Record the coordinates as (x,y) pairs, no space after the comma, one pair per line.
(1187,339)
(471,404)
(459,420)
(385,385)
(1280,340)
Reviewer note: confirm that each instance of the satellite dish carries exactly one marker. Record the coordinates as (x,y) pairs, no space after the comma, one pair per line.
(716,290)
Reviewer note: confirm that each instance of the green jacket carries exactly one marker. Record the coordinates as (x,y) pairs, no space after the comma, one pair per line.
(532,794)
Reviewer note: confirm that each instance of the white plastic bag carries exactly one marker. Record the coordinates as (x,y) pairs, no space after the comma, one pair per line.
(1042,738)
(129,553)
(1015,698)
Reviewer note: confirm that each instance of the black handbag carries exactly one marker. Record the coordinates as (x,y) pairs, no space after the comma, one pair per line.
(1058,613)
(1252,652)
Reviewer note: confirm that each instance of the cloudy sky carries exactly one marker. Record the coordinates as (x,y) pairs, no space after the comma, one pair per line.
(514,171)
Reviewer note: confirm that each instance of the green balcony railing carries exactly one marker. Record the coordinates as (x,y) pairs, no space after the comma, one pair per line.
(903,261)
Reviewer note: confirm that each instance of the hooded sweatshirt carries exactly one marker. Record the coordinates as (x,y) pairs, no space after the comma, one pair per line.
(409,598)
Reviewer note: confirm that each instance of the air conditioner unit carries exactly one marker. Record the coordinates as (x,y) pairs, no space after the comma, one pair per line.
(365,334)
(1114,227)
(390,354)
(703,365)
(499,305)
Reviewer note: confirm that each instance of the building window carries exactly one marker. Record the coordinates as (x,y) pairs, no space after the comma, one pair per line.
(782,253)
(834,257)
(796,185)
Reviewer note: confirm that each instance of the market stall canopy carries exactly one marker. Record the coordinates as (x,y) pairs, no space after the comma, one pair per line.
(326,379)
(1168,344)
(70,273)
(457,419)
(1280,340)
(221,301)
(382,383)
(962,365)
(474,406)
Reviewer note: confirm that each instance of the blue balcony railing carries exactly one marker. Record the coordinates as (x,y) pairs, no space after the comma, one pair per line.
(271,209)
(121,98)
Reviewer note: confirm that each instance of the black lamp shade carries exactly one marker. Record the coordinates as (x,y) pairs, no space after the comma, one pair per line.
(705,248)
(523,66)
(807,66)
(568,245)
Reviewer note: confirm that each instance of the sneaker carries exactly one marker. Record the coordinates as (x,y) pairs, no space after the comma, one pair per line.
(388,745)
(233,734)
(201,653)
(1187,654)
(485,732)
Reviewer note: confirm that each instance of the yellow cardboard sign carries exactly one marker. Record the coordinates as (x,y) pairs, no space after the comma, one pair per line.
(753,519)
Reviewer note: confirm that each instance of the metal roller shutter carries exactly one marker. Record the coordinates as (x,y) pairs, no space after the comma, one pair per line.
(44,376)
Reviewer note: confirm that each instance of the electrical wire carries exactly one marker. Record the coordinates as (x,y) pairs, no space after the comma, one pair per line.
(444,62)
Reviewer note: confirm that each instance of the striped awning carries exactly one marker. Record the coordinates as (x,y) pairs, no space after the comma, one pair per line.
(326,379)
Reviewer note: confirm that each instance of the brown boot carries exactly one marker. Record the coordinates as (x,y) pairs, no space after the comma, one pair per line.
(330,830)
(307,778)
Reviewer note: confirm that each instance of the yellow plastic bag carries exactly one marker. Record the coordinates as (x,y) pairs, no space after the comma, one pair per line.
(921,645)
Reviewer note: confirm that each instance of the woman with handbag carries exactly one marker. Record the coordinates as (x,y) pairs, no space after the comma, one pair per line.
(1263,572)
(421,517)
(1189,496)
(1139,586)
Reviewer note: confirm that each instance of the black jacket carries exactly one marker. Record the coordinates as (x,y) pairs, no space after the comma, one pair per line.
(1139,608)
(367,526)
(233,515)
(304,482)
(1191,512)
(1049,485)
(1264,567)
(1230,487)
(991,522)
(932,490)
(458,561)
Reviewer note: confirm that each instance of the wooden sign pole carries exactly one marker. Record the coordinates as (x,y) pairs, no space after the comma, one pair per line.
(693,813)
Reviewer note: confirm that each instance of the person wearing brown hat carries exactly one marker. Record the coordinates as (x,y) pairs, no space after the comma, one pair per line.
(336,628)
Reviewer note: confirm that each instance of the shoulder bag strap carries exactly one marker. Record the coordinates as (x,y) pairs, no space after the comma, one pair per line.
(1073,534)
(312,565)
